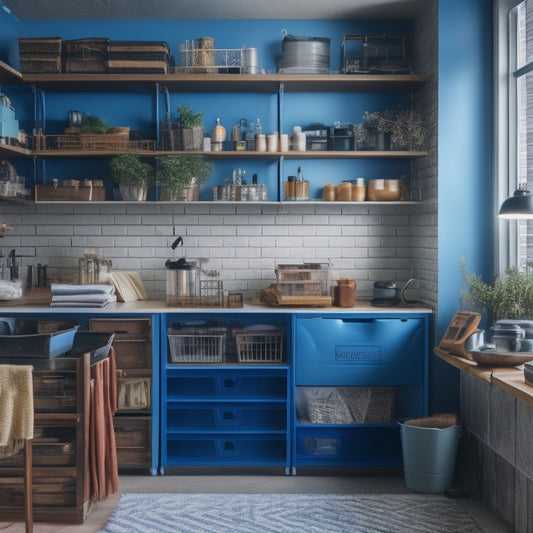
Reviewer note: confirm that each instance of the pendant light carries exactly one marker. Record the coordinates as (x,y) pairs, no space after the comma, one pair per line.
(520,205)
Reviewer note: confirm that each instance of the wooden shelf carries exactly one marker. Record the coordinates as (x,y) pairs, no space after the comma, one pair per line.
(8,74)
(7,150)
(267,83)
(311,154)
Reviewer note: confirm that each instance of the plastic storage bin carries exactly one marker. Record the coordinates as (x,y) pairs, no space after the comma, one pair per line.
(429,457)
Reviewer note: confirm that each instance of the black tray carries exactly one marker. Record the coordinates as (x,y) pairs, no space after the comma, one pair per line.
(96,343)
(35,338)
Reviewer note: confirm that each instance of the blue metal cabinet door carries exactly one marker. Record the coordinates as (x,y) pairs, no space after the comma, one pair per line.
(359,351)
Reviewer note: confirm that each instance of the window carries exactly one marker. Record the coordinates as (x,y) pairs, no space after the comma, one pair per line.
(519,234)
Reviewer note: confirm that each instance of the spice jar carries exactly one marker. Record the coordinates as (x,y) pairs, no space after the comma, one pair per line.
(344,293)
(328,194)
(359,190)
(289,188)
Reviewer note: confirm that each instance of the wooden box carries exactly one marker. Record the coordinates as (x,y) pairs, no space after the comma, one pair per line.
(69,193)
(85,55)
(40,55)
(138,57)
(133,436)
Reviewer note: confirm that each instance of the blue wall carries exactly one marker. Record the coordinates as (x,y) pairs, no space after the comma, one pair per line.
(465,165)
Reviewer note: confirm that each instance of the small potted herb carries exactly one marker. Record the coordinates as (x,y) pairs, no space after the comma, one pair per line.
(132,174)
(191,128)
(180,176)
(93,124)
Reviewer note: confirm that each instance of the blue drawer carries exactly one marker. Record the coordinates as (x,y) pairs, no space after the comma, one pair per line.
(226,384)
(228,416)
(352,351)
(226,450)
(368,446)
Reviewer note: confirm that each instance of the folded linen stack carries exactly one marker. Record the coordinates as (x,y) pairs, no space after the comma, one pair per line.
(65,295)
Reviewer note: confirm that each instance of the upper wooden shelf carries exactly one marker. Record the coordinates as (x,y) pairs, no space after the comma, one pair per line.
(268,83)
(310,154)
(8,74)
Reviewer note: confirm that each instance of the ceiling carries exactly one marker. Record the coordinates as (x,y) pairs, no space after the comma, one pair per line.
(211,9)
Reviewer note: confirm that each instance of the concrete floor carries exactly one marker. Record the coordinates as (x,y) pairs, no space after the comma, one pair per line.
(304,483)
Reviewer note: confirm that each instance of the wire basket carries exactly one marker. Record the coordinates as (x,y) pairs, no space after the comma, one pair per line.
(197,345)
(259,344)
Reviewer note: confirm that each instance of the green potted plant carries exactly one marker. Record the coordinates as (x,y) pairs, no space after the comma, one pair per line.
(132,174)
(93,124)
(191,128)
(180,176)
(508,297)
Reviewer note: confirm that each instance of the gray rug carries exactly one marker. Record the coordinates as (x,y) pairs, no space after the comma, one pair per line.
(289,513)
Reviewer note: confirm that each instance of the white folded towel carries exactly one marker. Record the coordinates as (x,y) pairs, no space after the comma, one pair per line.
(63,288)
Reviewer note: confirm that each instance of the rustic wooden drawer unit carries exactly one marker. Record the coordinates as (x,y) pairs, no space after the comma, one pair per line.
(133,351)
(60,445)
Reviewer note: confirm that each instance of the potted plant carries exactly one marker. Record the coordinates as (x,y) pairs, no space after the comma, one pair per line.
(180,176)
(509,297)
(191,128)
(132,174)
(93,124)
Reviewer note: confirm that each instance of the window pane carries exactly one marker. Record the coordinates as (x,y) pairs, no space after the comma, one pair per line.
(524,124)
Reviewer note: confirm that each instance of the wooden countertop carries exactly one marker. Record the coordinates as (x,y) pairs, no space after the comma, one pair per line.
(159,306)
(509,379)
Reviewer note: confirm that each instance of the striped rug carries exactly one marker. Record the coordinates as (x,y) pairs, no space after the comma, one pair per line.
(289,513)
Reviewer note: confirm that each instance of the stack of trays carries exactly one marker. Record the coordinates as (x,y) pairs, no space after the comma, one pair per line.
(40,55)
(138,57)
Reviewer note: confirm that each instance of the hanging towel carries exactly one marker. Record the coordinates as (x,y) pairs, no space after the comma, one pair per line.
(103,463)
(16,408)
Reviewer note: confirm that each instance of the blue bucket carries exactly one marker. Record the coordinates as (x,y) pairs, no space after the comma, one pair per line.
(429,457)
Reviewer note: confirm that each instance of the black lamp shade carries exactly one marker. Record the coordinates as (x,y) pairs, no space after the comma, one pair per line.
(520,205)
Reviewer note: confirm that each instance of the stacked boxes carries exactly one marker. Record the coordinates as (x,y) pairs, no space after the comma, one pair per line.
(136,57)
(40,55)
(93,56)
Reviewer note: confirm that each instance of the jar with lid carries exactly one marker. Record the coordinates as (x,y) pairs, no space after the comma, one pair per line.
(344,293)
(344,192)
(328,194)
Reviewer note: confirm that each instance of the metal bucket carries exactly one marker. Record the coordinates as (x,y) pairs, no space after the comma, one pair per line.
(250,61)
(305,54)
(181,283)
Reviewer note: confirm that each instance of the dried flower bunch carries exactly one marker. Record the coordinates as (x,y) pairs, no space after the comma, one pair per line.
(406,126)
(508,298)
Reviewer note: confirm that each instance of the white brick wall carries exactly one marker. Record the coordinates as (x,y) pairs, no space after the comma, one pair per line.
(243,242)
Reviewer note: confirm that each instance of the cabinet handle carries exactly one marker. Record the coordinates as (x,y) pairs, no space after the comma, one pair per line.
(229,383)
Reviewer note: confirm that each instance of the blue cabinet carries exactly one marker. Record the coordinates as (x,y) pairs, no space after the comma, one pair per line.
(224,412)
(354,377)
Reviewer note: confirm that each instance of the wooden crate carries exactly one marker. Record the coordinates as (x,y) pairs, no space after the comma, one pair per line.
(133,437)
(138,57)
(69,193)
(104,141)
(40,55)
(85,55)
